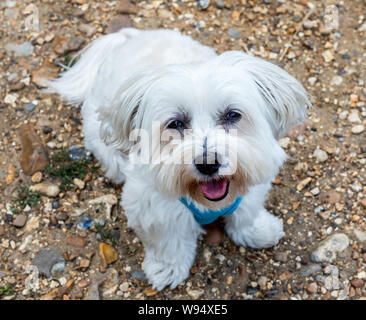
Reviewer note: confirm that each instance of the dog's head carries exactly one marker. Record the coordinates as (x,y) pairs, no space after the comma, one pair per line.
(206,130)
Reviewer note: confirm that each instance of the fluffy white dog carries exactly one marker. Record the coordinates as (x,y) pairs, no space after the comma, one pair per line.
(176,95)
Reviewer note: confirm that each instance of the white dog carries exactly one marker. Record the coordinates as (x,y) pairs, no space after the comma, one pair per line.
(130,80)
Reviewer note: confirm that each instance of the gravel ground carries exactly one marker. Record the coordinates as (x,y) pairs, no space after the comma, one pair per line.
(51,212)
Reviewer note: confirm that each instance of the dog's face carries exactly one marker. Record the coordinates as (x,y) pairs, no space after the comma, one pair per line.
(212,127)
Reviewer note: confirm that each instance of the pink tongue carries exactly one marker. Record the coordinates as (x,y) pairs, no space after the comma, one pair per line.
(214,189)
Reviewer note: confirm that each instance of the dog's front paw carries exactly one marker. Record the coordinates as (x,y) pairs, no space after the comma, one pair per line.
(161,274)
(266,231)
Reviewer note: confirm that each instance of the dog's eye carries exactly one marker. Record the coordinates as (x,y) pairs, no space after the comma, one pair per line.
(176,124)
(232,116)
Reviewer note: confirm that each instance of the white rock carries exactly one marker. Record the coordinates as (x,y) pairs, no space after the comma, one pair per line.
(358,129)
(331,283)
(124,286)
(328,56)
(301,166)
(362,28)
(109,200)
(361,235)
(328,249)
(220,257)
(303,183)
(312,80)
(343,115)
(11,98)
(32,224)
(262,282)
(79,183)
(291,55)
(320,155)
(336,81)
(332,270)
(195,294)
(315,191)
(354,116)
(308,24)
(284,142)
(25,243)
(62,281)
(207,254)
(48,189)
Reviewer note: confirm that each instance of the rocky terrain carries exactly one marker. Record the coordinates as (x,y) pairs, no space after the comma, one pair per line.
(63,234)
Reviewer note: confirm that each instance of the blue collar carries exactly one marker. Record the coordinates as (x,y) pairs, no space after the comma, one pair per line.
(207,216)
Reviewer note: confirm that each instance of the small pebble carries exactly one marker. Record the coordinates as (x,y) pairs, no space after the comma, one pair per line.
(358,129)
(19,221)
(76,241)
(233,33)
(312,288)
(62,216)
(55,204)
(357,283)
(281,256)
(220,4)
(137,274)
(79,183)
(29,107)
(48,189)
(203,4)
(76,153)
(85,223)
(320,155)
(37,177)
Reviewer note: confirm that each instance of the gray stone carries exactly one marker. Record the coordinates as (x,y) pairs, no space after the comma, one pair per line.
(233,33)
(203,4)
(328,249)
(310,270)
(280,256)
(20,50)
(76,153)
(332,270)
(29,107)
(137,274)
(58,269)
(49,259)
(331,283)
(220,4)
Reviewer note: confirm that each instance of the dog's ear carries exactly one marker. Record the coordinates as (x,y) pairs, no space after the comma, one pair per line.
(125,112)
(286,100)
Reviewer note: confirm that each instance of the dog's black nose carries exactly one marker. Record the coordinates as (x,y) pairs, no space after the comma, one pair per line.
(207,168)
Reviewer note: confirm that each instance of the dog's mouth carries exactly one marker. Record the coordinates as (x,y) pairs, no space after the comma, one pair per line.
(215,190)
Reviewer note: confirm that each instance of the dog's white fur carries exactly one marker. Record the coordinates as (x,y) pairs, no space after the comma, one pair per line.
(128,79)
